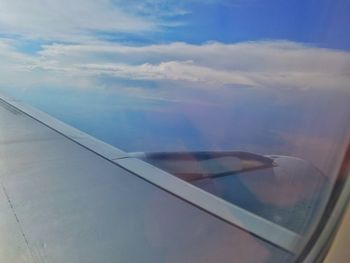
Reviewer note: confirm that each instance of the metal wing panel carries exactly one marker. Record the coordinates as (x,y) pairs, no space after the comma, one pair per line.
(62,202)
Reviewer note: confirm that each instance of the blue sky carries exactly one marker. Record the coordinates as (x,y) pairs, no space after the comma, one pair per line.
(197,74)
(322,23)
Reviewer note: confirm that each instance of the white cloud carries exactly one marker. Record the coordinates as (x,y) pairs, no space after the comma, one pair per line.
(67,20)
(16,71)
(245,56)
(274,64)
(171,70)
(81,20)
(269,63)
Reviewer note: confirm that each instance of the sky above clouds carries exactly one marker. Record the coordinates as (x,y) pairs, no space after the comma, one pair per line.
(204,74)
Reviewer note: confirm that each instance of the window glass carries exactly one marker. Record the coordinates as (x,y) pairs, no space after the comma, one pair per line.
(246,100)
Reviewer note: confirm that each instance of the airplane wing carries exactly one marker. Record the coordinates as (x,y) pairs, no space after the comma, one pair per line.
(68,197)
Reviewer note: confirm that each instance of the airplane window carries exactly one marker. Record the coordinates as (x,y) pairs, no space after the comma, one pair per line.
(238,108)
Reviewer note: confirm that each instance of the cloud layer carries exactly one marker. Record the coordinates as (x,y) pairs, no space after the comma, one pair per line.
(274,64)
(67,20)
(81,20)
(83,60)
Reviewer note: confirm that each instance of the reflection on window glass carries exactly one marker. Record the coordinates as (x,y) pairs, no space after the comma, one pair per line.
(284,190)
